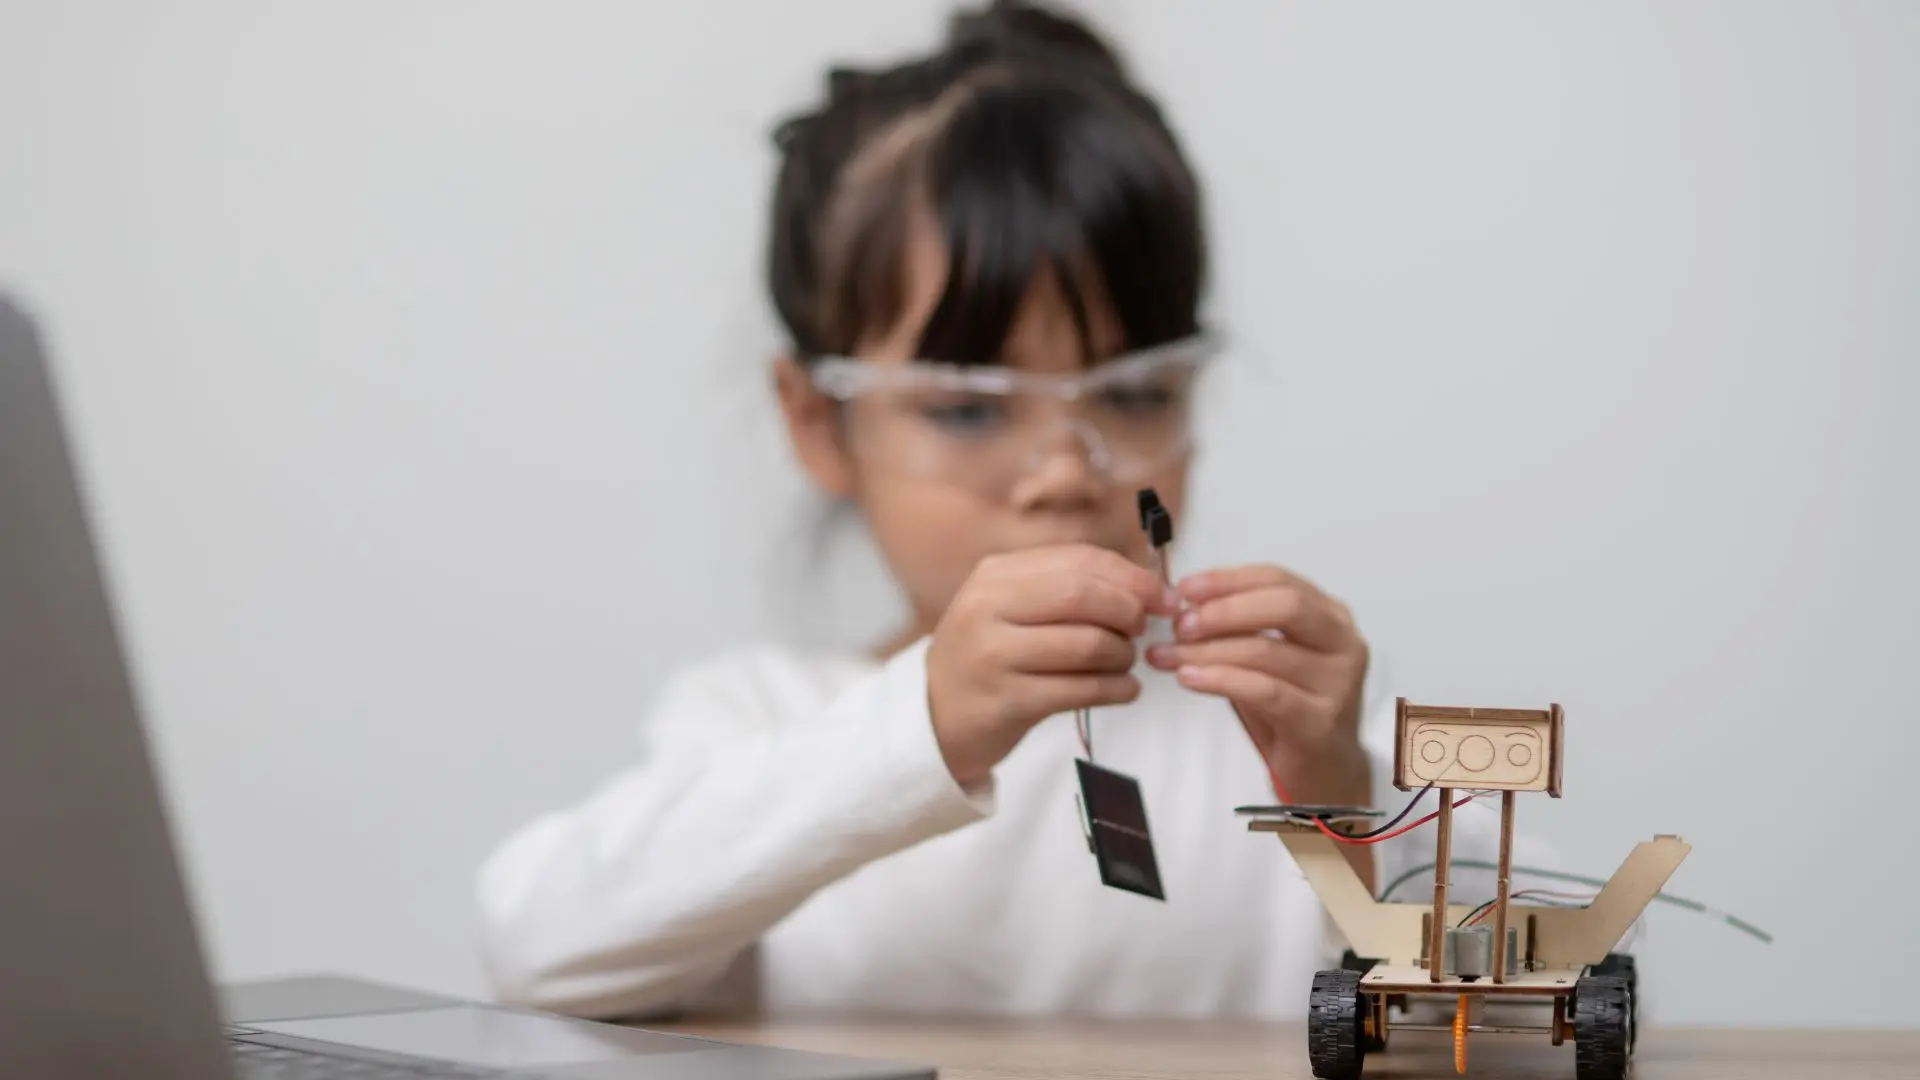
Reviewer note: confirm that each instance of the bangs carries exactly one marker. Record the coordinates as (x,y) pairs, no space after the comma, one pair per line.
(1022,177)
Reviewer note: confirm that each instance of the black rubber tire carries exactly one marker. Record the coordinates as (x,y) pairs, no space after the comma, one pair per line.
(1622,965)
(1336,1013)
(1352,961)
(1602,1028)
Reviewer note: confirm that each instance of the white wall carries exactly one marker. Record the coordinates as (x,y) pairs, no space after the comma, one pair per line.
(399,334)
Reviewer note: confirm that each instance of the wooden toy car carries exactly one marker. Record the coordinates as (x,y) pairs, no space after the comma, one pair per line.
(1557,956)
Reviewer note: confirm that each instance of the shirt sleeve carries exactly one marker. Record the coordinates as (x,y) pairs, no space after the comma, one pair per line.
(639,897)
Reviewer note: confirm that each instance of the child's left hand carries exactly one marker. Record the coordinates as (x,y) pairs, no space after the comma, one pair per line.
(1292,663)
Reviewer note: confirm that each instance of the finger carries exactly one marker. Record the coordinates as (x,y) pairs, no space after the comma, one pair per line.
(1069,649)
(1155,595)
(1267,696)
(1086,584)
(1306,668)
(1213,584)
(1304,616)
(1050,695)
(1064,599)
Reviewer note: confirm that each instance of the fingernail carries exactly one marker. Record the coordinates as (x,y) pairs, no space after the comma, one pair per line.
(1162,656)
(1188,625)
(1170,599)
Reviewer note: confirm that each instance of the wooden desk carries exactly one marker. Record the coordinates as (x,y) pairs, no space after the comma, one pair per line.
(1048,1050)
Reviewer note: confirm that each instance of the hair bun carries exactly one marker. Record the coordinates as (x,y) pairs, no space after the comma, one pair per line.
(1006,27)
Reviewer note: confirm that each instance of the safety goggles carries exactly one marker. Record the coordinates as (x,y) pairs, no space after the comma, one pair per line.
(987,426)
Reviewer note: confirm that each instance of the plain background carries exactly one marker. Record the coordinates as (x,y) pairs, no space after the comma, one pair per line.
(418,354)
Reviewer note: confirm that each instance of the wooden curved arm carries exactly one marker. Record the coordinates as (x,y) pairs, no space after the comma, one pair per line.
(1563,937)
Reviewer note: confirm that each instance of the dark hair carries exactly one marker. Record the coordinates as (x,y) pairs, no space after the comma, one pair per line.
(1025,144)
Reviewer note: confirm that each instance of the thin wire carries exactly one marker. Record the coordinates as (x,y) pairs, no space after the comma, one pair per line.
(1694,906)
(1634,932)
(1370,838)
(1550,896)
(1555,899)
(1083,718)
(1397,818)
(1475,913)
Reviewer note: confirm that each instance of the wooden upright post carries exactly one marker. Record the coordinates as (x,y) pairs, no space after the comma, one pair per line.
(1436,948)
(1500,901)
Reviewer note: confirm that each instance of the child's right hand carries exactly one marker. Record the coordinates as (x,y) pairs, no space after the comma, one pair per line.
(1034,633)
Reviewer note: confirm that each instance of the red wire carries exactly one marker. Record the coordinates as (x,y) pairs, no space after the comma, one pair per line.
(1281,791)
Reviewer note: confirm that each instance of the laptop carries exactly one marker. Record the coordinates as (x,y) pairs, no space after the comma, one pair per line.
(102,974)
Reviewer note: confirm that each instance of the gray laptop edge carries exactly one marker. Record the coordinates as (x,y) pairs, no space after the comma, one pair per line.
(102,973)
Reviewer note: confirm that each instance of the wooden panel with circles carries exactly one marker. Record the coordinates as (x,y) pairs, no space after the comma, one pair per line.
(1473,748)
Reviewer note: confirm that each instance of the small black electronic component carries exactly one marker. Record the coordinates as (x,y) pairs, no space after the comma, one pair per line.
(1117,823)
(1155,521)
(1310,812)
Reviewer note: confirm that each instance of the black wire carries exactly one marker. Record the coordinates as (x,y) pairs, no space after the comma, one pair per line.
(1476,911)
(1397,818)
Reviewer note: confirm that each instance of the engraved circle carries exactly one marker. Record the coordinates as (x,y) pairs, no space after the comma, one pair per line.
(1432,751)
(1476,753)
(1519,754)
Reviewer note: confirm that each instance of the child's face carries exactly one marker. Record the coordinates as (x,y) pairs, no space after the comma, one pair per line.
(932,526)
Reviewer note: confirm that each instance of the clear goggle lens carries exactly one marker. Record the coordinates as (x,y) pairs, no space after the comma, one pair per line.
(1128,418)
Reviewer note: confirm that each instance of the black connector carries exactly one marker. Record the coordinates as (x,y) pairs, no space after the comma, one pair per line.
(1154,519)
(1149,501)
(1160,527)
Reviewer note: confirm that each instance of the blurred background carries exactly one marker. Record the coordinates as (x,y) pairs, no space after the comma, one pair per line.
(418,353)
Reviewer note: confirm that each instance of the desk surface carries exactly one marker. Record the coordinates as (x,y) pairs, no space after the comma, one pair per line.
(1055,1050)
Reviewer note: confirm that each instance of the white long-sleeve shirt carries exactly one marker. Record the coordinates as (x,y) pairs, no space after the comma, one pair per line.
(790,839)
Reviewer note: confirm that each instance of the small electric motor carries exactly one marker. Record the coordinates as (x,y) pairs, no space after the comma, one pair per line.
(1468,951)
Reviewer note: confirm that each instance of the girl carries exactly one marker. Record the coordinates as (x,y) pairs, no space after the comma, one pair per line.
(990,262)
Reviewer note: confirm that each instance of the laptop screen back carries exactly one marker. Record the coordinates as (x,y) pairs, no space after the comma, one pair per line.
(103,974)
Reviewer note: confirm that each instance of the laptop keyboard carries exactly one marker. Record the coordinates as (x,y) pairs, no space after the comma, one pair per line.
(253,1061)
